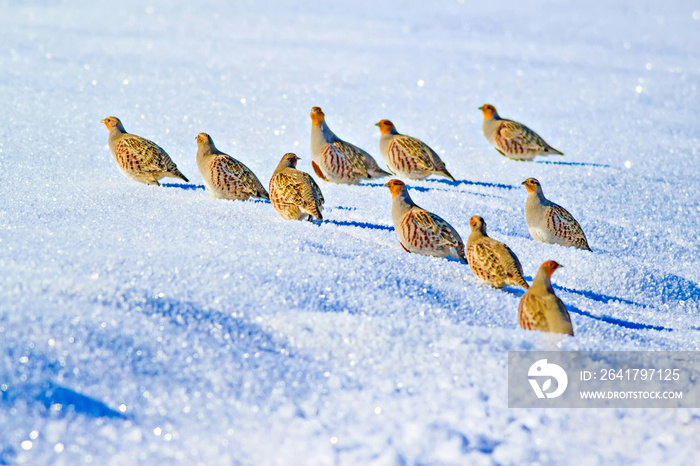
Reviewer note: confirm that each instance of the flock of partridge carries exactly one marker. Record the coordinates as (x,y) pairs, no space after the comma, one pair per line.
(295,196)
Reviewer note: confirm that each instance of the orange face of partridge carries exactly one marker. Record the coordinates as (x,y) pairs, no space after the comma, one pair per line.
(395,187)
(488,110)
(385,126)
(202,138)
(549,267)
(477,223)
(110,122)
(317,115)
(531,184)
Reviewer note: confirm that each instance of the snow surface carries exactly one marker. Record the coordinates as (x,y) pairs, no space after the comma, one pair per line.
(146,325)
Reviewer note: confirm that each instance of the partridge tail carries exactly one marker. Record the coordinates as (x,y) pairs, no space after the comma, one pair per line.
(446,174)
(462,255)
(377,173)
(263,194)
(552,150)
(520,281)
(178,174)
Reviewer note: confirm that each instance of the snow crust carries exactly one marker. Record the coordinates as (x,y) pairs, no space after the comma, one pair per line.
(146,325)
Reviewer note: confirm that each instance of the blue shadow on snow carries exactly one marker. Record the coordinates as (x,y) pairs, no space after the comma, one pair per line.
(196,187)
(618,322)
(50,394)
(55,394)
(581,164)
(514,290)
(676,288)
(346,223)
(190,187)
(596,296)
(424,189)
(7,455)
(472,183)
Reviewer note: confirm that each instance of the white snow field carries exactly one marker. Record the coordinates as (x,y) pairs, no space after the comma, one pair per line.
(156,325)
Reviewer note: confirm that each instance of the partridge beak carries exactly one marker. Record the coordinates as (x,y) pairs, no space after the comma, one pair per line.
(376,124)
(102,121)
(385,185)
(524,182)
(481,108)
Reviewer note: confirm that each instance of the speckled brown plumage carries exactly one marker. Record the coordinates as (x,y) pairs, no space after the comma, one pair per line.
(336,160)
(293,193)
(225,177)
(549,222)
(420,231)
(138,158)
(407,156)
(512,139)
(492,261)
(540,309)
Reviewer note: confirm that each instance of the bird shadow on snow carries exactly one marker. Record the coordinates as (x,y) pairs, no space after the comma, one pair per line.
(515,291)
(350,223)
(578,164)
(425,189)
(601,298)
(669,288)
(472,183)
(519,292)
(197,187)
(616,321)
(187,187)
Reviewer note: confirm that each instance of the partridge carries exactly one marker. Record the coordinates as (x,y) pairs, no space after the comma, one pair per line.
(540,309)
(512,139)
(293,193)
(336,160)
(549,222)
(407,156)
(420,231)
(490,260)
(138,158)
(225,177)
